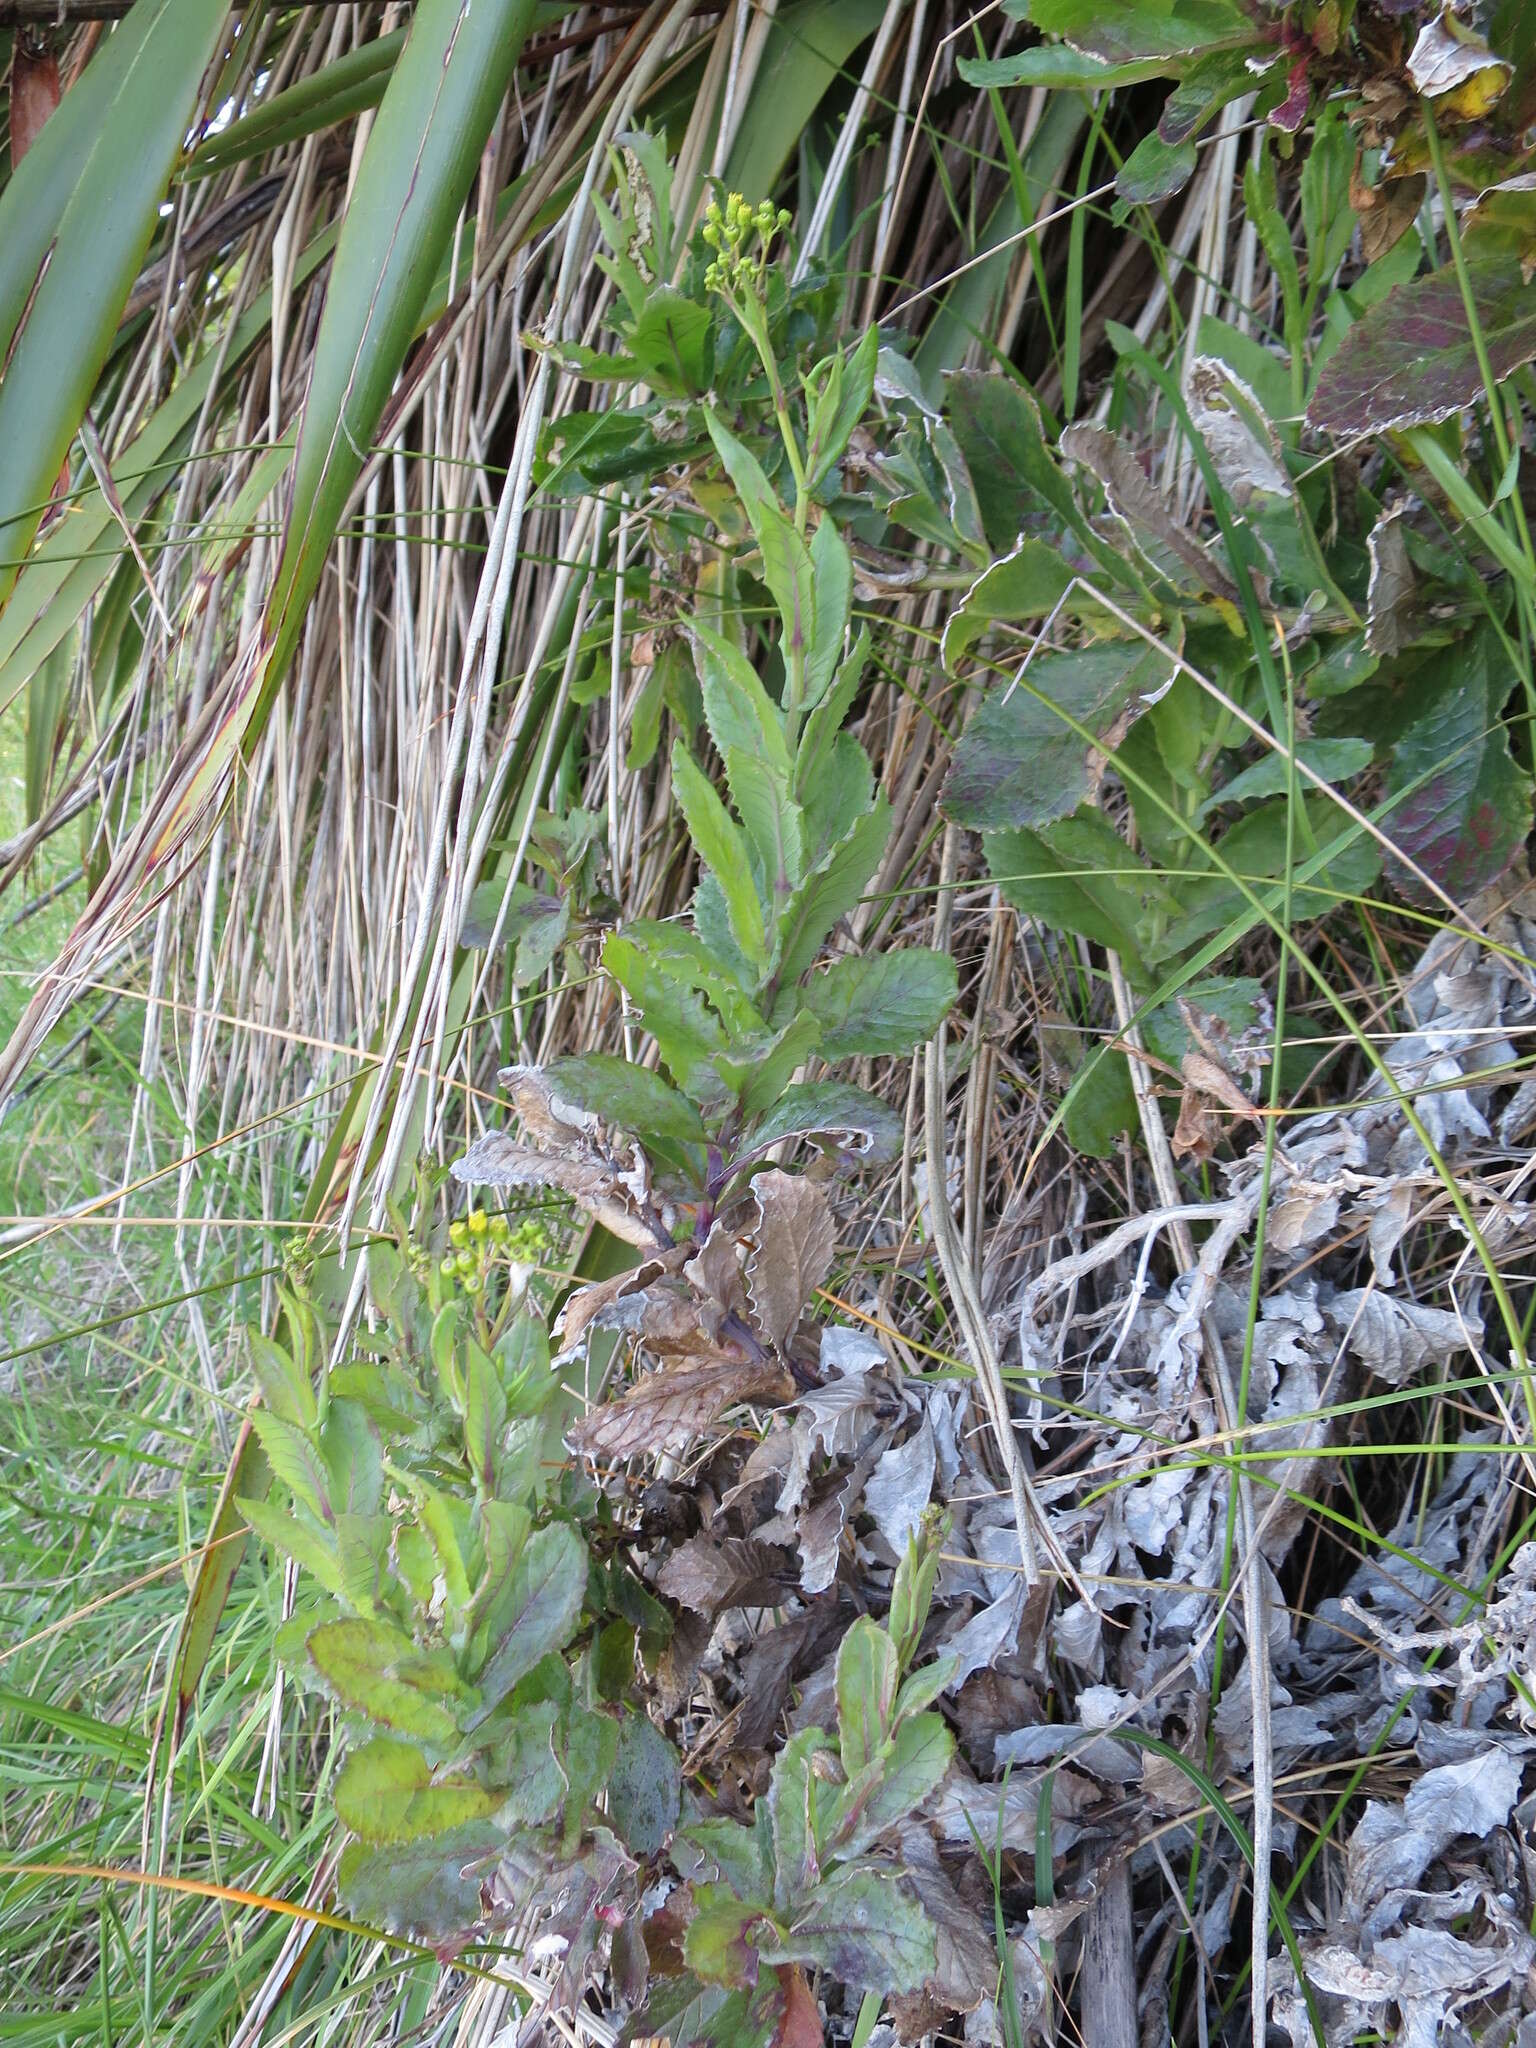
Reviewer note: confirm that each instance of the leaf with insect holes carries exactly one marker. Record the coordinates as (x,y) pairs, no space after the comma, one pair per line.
(536,1613)
(865,1928)
(793,1238)
(429,1888)
(385,1793)
(832,1113)
(376,1670)
(1024,759)
(669,1409)
(882,1004)
(1411,359)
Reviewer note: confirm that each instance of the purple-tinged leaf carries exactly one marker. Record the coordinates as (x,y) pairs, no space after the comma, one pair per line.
(1464,807)
(1411,359)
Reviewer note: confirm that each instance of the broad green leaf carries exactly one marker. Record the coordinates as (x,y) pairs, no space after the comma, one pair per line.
(719,1947)
(588,1747)
(1078,876)
(632,1097)
(1101,1105)
(709,1851)
(670,343)
(352,1455)
(891,1786)
(644,1786)
(863,1927)
(443,94)
(1255,848)
(759,1070)
(722,847)
(1155,170)
(842,402)
(1018,479)
(485,1418)
(1122,31)
(881,1005)
(687,1032)
(385,1793)
(831,1112)
(359,1660)
(841,789)
(362,1553)
(538,1612)
(794,1790)
(682,956)
(121,144)
(1027,583)
(1337,761)
(429,1888)
(1020,762)
(824,725)
(1411,360)
(525,1767)
(832,581)
(1205,88)
(831,889)
(868,1671)
(1057,66)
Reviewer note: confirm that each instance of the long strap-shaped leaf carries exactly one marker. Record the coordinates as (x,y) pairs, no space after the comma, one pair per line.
(431,128)
(81,210)
(427,138)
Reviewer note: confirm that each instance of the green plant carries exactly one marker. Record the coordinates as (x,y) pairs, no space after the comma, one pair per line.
(740,998)
(469,1610)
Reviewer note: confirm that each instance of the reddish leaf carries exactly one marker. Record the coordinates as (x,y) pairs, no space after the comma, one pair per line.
(800,2021)
(1411,359)
(34,95)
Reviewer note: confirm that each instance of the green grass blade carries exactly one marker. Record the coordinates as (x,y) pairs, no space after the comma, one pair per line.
(96,250)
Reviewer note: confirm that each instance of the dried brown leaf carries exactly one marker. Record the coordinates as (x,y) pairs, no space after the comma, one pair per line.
(666,1410)
(793,1240)
(1136,499)
(708,1573)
